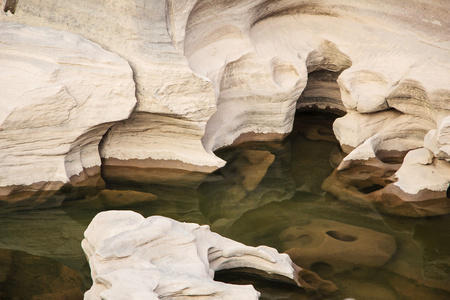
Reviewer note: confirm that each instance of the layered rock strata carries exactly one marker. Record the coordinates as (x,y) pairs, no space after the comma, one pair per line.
(171,98)
(60,94)
(152,258)
(376,62)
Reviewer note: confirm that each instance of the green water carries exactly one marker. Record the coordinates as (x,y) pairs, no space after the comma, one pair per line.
(267,194)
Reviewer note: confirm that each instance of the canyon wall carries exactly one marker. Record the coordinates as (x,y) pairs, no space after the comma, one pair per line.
(212,74)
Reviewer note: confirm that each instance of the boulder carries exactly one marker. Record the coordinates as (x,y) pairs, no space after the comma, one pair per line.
(157,257)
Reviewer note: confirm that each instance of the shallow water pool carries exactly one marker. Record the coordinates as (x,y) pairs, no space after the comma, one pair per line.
(267,194)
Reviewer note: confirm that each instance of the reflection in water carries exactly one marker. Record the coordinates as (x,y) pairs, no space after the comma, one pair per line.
(268,193)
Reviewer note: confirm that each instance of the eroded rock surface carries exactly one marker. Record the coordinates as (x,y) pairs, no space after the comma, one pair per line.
(336,247)
(392,82)
(60,93)
(157,257)
(173,103)
(212,74)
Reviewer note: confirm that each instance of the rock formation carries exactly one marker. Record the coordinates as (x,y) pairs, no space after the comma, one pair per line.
(157,257)
(210,74)
(337,246)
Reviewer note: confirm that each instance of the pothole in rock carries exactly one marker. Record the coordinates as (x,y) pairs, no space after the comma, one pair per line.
(341,236)
(371,189)
(305,239)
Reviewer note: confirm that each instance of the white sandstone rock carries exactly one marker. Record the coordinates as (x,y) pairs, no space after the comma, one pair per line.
(353,129)
(157,257)
(420,171)
(430,141)
(165,85)
(443,139)
(59,94)
(389,62)
(216,71)
(396,133)
(364,91)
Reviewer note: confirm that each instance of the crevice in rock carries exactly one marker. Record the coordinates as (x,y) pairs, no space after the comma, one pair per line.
(391,157)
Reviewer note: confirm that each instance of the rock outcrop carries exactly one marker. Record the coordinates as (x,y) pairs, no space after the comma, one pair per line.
(173,103)
(156,257)
(389,63)
(212,74)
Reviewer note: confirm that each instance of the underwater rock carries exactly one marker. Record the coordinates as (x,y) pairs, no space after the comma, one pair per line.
(254,168)
(415,188)
(245,183)
(121,198)
(406,290)
(27,276)
(46,233)
(157,257)
(334,247)
(422,262)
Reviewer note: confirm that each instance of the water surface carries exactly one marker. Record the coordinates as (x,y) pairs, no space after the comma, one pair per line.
(268,194)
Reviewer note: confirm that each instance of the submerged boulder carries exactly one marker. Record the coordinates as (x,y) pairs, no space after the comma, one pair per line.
(334,247)
(28,276)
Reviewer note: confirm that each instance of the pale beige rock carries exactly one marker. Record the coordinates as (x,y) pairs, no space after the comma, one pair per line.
(384,142)
(60,94)
(379,61)
(443,139)
(161,137)
(354,129)
(421,171)
(390,56)
(157,257)
(165,85)
(226,71)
